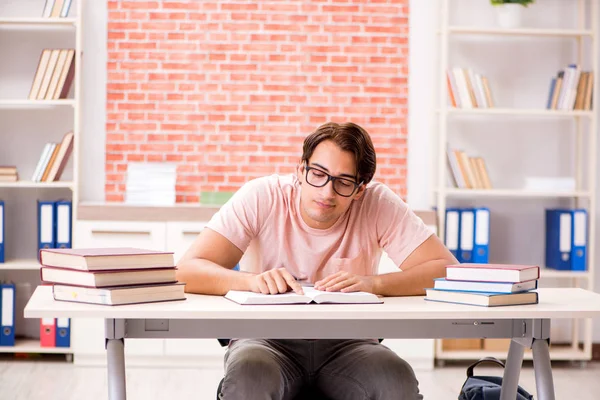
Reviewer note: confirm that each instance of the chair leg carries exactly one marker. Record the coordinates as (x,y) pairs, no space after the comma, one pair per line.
(219,397)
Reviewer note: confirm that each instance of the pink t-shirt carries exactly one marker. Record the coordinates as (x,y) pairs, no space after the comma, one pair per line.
(263,220)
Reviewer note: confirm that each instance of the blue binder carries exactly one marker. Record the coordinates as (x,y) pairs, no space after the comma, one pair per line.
(7,318)
(63,213)
(46,225)
(559,226)
(63,332)
(579,237)
(452,231)
(467,235)
(481,239)
(1,231)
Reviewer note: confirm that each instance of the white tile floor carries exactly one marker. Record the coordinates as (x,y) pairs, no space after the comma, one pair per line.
(49,380)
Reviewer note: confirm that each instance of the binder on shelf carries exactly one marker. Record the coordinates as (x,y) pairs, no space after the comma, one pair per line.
(47,332)
(7,333)
(1,231)
(467,232)
(452,231)
(558,239)
(63,332)
(46,225)
(481,239)
(579,245)
(63,213)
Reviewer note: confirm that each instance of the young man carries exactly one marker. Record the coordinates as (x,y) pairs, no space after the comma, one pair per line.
(327,224)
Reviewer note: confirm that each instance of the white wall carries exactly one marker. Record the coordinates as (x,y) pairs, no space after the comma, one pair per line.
(93,144)
(519,71)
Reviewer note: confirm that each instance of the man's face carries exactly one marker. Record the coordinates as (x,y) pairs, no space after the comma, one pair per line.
(322,206)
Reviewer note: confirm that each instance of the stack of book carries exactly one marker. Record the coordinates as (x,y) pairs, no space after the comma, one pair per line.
(110,276)
(150,183)
(487,285)
(8,174)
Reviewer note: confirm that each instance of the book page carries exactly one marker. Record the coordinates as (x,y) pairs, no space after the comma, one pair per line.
(243,297)
(320,296)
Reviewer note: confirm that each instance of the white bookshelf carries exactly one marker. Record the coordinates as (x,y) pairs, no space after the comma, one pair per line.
(583,38)
(20,264)
(18,103)
(45,22)
(468,30)
(27,126)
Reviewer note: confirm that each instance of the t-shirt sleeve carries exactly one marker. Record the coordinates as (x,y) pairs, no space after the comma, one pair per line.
(399,230)
(241,218)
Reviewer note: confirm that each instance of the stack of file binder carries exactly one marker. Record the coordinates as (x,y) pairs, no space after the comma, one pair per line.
(468,234)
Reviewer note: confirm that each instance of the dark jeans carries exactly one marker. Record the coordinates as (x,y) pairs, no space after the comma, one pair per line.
(260,369)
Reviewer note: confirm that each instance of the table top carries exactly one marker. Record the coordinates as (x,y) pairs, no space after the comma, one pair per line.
(553,303)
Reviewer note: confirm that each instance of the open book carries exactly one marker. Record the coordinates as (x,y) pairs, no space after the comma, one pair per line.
(310,295)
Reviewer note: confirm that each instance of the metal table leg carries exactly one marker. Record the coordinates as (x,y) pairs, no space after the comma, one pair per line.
(512,371)
(543,370)
(115,357)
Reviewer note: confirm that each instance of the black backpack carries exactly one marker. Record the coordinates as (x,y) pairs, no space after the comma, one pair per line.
(486,387)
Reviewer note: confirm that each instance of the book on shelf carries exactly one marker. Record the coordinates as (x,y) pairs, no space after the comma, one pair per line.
(112,296)
(53,160)
(311,295)
(468,89)
(54,75)
(100,279)
(56,8)
(9,173)
(510,273)
(98,259)
(467,172)
(571,89)
(478,286)
(482,298)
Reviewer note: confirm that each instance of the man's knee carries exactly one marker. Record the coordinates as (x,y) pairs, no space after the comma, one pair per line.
(252,372)
(396,379)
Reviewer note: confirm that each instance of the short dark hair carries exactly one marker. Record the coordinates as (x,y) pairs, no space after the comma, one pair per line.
(349,137)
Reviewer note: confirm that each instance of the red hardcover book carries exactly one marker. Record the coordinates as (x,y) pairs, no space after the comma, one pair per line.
(106,258)
(492,272)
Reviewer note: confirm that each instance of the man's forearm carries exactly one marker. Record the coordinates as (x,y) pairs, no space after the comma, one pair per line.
(411,282)
(205,277)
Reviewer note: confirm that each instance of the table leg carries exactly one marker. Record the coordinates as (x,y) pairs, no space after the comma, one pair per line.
(512,370)
(115,352)
(543,370)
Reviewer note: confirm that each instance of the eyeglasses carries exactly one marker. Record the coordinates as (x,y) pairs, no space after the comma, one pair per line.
(342,186)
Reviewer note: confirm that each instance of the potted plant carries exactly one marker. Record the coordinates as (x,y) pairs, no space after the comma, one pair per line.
(509,12)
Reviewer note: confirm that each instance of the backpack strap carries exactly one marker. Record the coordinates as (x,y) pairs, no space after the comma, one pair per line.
(485,359)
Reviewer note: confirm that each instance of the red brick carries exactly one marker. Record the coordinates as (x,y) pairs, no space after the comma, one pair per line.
(202,79)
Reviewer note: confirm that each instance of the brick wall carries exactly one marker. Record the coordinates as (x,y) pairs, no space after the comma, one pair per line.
(228,90)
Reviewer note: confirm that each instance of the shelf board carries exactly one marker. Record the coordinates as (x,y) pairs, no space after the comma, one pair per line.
(33,346)
(553,273)
(518,193)
(20,264)
(470,30)
(556,353)
(37,185)
(526,112)
(22,103)
(45,22)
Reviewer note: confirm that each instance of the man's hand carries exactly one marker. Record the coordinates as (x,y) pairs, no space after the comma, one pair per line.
(346,282)
(275,281)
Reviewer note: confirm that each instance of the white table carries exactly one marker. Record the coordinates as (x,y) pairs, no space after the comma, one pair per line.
(399,317)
